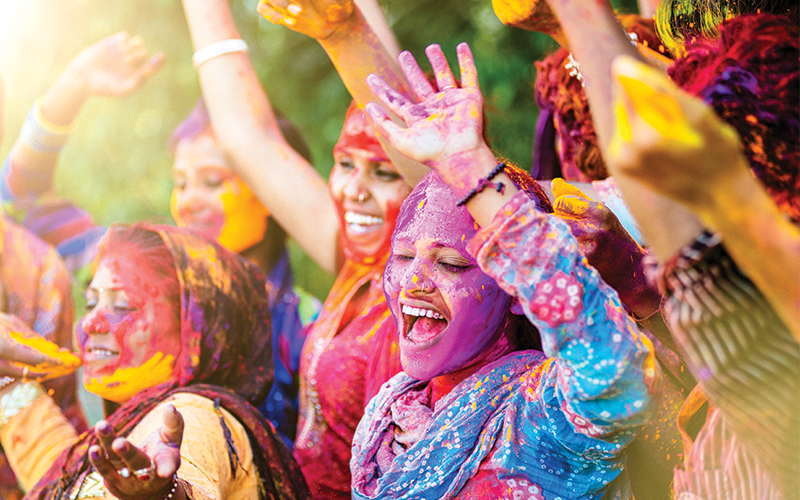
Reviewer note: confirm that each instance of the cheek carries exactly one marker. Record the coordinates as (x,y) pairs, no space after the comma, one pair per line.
(336,183)
(390,197)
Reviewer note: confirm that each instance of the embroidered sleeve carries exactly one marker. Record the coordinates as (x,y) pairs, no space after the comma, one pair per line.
(605,371)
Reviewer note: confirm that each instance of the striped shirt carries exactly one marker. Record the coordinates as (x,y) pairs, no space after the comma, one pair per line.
(748,364)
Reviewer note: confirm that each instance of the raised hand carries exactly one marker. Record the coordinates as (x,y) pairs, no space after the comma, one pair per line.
(531,15)
(24,354)
(607,246)
(132,473)
(669,140)
(115,66)
(445,130)
(315,18)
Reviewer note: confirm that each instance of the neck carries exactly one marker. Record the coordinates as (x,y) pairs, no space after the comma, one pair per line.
(259,255)
(443,384)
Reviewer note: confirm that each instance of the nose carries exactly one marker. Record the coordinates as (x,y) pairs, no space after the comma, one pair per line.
(418,279)
(355,188)
(188,200)
(96,323)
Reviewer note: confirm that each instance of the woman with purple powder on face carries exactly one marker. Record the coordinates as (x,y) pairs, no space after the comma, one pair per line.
(478,413)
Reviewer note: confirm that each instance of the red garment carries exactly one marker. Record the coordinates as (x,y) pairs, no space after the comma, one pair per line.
(350,352)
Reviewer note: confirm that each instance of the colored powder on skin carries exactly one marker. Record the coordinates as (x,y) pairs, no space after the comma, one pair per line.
(66,362)
(659,110)
(124,383)
(245,217)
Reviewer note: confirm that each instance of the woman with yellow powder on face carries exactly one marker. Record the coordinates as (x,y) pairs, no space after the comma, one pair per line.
(177,338)
(208,198)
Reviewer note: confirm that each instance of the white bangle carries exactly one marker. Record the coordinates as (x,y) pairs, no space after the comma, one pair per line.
(217,49)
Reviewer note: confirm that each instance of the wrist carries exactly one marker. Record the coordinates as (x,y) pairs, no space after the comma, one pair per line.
(464,170)
(17,396)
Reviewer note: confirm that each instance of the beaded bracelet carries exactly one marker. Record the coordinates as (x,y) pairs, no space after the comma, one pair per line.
(40,135)
(484,183)
(174,488)
(217,49)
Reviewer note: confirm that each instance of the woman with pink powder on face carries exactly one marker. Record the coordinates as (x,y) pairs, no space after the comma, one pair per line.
(477,413)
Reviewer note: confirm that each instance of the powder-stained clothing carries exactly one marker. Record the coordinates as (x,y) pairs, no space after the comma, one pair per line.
(204,459)
(29,196)
(526,425)
(741,425)
(350,351)
(35,287)
(225,358)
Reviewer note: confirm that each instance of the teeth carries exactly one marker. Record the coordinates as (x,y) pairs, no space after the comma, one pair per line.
(361,219)
(422,313)
(103,352)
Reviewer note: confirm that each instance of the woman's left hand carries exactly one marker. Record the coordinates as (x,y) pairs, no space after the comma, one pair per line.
(132,473)
(445,130)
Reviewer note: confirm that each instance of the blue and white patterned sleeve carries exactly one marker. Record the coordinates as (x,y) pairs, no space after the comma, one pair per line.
(605,372)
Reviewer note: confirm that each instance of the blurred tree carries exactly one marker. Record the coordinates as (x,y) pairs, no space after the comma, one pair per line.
(116,164)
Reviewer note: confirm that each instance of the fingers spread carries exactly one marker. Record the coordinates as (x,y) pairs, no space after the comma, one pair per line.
(444,77)
(469,74)
(417,80)
(390,97)
(101,463)
(172,430)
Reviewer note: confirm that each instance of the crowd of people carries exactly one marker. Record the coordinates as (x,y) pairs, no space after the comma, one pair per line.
(621,320)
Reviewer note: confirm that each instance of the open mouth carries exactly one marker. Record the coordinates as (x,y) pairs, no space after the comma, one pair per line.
(361,223)
(422,324)
(99,355)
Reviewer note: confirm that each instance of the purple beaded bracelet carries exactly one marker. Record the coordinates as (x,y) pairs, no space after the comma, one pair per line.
(484,183)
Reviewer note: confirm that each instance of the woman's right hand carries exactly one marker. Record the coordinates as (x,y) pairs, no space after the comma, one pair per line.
(146,471)
(315,18)
(26,355)
(114,66)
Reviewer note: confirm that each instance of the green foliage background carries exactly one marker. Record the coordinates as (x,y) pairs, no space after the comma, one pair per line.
(116,165)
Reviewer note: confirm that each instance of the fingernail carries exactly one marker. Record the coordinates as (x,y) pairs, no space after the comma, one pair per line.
(103,428)
(94,453)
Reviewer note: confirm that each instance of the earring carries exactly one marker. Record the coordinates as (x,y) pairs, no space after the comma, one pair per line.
(361,197)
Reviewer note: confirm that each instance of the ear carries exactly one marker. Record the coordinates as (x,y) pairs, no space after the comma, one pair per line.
(516,307)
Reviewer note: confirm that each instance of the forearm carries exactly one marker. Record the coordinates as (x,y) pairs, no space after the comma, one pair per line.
(760,240)
(245,127)
(595,38)
(534,257)
(356,52)
(34,437)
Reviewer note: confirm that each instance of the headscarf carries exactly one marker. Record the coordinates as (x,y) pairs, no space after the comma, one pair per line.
(226,341)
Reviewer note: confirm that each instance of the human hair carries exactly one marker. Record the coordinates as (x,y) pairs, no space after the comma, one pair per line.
(562,102)
(681,21)
(147,244)
(751,77)
(198,122)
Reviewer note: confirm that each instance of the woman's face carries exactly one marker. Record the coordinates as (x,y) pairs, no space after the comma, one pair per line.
(130,337)
(366,188)
(211,199)
(448,312)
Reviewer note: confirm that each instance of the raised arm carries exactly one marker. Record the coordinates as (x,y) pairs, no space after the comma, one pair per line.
(532,255)
(112,67)
(676,144)
(356,50)
(245,127)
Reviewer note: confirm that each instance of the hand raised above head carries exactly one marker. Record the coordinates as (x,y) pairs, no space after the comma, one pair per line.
(147,471)
(24,354)
(446,125)
(670,140)
(315,18)
(115,66)
(531,15)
